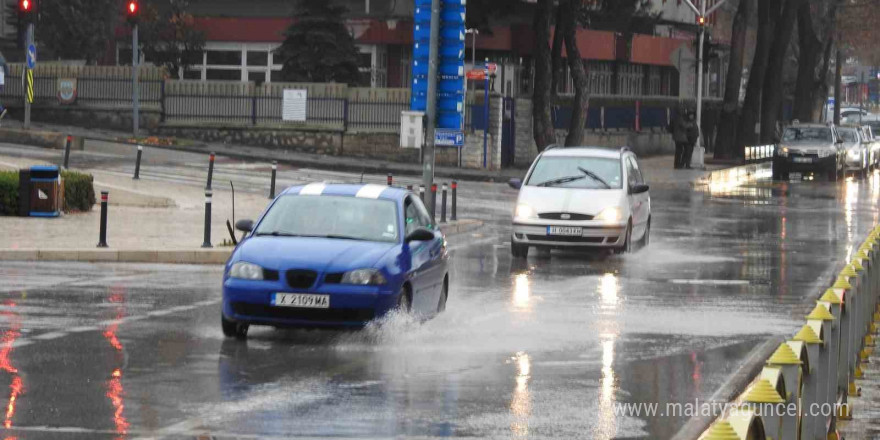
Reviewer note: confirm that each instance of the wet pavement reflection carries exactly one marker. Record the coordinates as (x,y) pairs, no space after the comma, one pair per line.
(548,347)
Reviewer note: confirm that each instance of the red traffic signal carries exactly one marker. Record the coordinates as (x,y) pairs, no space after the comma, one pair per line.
(701,20)
(132,10)
(25,6)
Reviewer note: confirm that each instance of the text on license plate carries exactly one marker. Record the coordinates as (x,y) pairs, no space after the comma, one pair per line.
(301,300)
(803,160)
(564,230)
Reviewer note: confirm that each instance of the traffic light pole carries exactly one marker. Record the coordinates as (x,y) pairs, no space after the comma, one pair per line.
(28,41)
(135,86)
(431,105)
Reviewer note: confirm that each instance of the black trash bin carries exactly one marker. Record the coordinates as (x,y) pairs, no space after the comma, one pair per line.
(40,191)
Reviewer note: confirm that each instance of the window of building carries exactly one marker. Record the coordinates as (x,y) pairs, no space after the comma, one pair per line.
(192,74)
(257,76)
(223,75)
(260,58)
(224,57)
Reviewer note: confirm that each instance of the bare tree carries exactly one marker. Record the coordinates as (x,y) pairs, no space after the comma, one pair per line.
(752,104)
(577,126)
(543,122)
(726,147)
(771,97)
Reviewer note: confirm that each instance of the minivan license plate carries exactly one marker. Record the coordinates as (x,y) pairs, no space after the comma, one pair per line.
(301,300)
(564,230)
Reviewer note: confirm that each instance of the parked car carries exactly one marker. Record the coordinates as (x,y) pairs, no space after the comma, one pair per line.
(871,126)
(814,148)
(858,150)
(582,197)
(335,255)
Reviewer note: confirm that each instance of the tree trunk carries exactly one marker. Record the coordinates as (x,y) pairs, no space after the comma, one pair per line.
(820,96)
(543,121)
(752,104)
(771,98)
(725,148)
(809,53)
(556,56)
(578,122)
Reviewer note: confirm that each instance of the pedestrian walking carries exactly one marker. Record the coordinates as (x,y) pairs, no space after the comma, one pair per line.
(678,128)
(693,135)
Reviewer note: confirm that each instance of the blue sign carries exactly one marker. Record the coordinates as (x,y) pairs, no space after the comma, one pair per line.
(31,56)
(448,138)
(450,67)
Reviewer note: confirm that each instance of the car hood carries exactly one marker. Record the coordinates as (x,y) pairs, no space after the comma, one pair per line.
(808,145)
(571,200)
(320,254)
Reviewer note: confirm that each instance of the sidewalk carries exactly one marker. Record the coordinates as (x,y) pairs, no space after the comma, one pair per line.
(148,221)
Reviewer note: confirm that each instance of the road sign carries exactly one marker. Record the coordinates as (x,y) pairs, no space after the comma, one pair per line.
(31,56)
(492,68)
(450,62)
(29,89)
(476,75)
(448,138)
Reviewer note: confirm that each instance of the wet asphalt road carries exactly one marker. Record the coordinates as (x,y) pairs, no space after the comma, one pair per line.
(543,348)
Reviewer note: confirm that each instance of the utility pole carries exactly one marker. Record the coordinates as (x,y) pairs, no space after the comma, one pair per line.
(838,72)
(133,13)
(431,105)
(702,13)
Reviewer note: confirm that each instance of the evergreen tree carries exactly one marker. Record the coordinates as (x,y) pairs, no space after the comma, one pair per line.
(318,47)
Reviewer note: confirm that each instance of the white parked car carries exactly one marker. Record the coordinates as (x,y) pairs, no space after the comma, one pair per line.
(858,149)
(581,197)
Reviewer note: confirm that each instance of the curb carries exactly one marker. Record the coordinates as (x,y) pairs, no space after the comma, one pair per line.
(164,256)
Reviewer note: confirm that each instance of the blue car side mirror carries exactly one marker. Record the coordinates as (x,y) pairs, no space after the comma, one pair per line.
(420,234)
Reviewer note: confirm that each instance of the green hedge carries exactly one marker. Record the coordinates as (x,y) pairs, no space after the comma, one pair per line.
(79,192)
(8,192)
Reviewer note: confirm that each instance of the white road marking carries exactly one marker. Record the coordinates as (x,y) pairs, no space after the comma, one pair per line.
(51,335)
(713,282)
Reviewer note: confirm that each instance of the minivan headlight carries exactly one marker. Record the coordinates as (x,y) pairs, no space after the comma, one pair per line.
(782,151)
(524,211)
(364,277)
(825,152)
(610,215)
(246,271)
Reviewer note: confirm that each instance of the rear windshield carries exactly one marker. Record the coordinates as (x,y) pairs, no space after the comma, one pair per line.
(351,218)
(848,135)
(577,172)
(806,134)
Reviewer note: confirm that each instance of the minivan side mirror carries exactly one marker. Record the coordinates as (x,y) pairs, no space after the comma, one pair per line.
(420,234)
(639,189)
(244,225)
(515,183)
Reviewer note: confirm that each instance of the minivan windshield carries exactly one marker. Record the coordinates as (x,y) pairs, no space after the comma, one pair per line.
(807,134)
(848,134)
(577,172)
(352,218)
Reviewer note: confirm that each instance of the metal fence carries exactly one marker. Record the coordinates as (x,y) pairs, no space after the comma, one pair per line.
(215,103)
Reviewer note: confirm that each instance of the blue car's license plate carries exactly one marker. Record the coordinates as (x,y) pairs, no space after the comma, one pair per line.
(301,300)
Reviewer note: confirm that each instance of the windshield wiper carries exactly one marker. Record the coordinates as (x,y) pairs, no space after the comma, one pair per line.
(560,180)
(595,177)
(341,237)
(277,234)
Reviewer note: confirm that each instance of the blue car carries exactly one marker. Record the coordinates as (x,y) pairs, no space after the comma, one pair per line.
(335,255)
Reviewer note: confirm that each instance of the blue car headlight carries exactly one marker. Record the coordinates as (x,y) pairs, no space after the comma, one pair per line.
(364,277)
(246,271)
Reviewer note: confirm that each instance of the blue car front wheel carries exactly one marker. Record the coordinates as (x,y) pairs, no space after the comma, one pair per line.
(232,329)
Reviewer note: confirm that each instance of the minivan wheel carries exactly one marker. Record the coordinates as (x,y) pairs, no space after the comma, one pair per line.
(646,239)
(519,250)
(627,244)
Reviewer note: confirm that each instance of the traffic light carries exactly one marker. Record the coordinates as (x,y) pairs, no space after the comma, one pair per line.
(26,8)
(701,21)
(132,11)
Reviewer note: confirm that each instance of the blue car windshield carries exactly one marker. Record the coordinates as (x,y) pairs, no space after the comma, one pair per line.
(340,217)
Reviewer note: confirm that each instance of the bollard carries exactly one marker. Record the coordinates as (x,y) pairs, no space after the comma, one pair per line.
(272,185)
(422,193)
(210,171)
(789,366)
(137,163)
(390,179)
(762,396)
(454,216)
(207,242)
(102,235)
(433,201)
(67,150)
(813,372)
(443,204)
